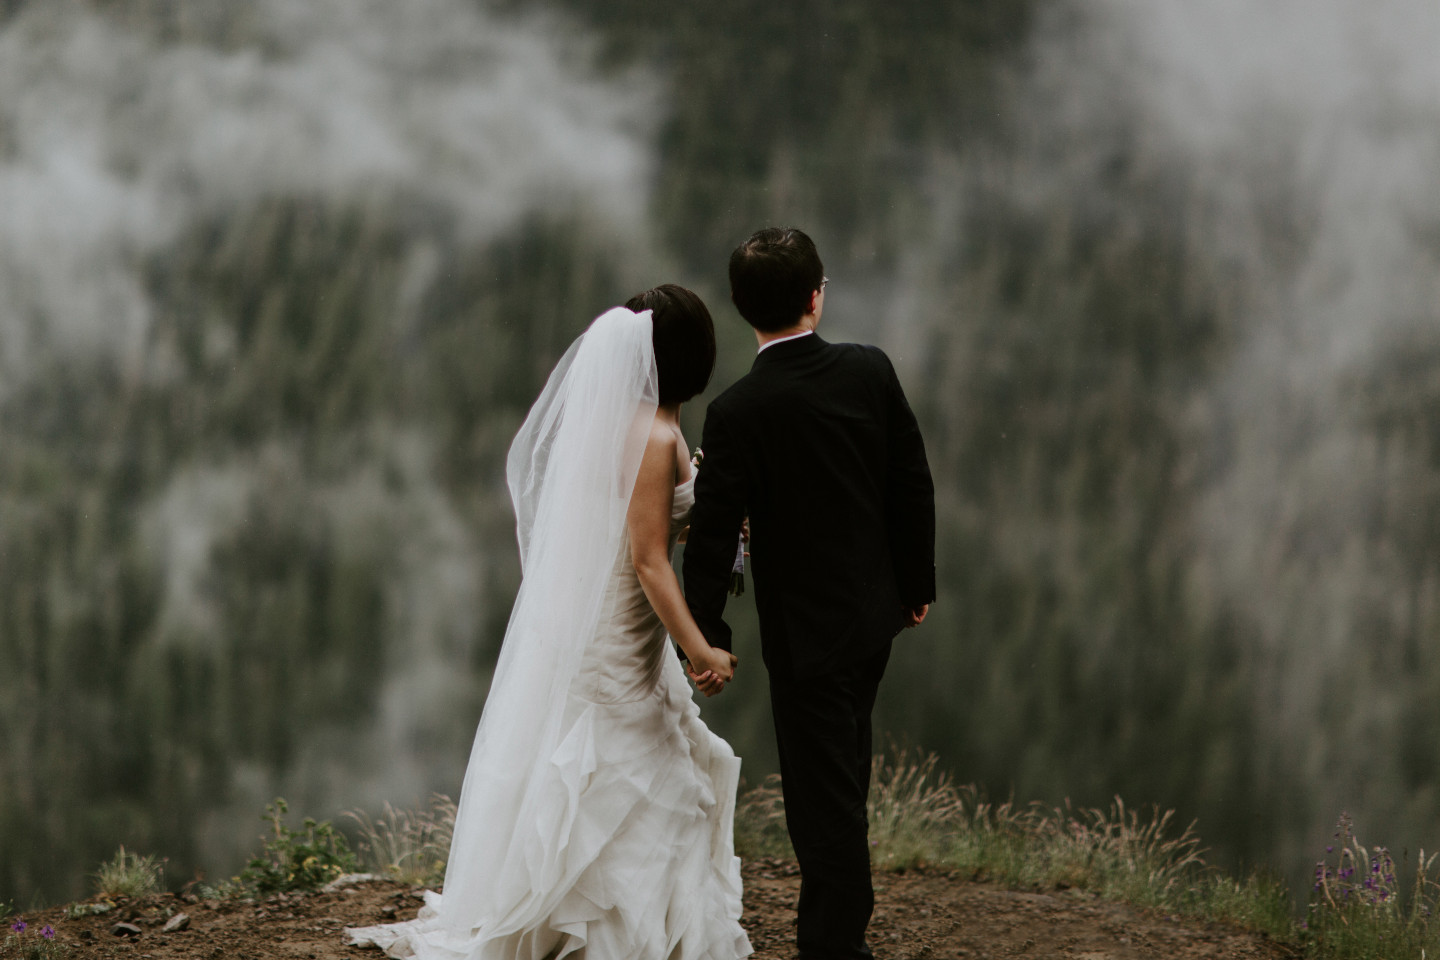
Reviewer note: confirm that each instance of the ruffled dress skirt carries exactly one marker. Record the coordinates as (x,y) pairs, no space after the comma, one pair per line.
(638,820)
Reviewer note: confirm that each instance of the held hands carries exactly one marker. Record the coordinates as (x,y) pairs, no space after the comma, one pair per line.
(712,670)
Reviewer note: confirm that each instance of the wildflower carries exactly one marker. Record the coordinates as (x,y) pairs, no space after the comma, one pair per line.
(18,926)
(48,932)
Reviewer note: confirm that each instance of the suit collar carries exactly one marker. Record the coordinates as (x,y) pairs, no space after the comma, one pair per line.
(786,349)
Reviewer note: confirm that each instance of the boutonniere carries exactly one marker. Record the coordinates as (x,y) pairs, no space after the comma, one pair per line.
(697,457)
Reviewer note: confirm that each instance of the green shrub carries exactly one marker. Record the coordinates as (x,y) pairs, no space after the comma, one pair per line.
(306,859)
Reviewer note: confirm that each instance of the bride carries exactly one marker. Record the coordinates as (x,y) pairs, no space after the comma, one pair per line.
(596,815)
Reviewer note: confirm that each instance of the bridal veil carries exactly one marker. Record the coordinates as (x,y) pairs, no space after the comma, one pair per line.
(571,471)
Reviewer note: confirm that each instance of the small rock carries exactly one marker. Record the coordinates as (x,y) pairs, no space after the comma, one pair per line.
(387,912)
(181,921)
(350,880)
(125,930)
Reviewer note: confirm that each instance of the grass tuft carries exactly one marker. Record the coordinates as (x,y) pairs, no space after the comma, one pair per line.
(128,875)
(919,816)
(411,846)
(760,822)
(1360,909)
(910,806)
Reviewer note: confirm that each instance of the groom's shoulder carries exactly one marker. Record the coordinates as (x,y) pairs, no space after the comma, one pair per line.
(733,395)
(864,356)
(863,352)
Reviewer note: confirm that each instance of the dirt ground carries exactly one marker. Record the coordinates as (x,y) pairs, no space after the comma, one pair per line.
(918,914)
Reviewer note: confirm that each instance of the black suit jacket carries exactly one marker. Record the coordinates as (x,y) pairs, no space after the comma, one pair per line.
(817,445)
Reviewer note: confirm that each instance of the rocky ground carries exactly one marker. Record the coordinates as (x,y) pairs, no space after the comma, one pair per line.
(918,914)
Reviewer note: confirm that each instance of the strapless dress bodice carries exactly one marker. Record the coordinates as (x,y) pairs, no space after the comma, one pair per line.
(625,661)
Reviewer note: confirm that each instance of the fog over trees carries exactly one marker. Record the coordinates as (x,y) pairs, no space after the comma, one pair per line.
(278,281)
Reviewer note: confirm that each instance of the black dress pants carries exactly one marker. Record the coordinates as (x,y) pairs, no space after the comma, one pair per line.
(822,728)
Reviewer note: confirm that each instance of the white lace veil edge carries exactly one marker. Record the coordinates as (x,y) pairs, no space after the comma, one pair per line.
(571,471)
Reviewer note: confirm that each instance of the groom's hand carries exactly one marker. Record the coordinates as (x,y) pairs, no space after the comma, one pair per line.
(914,616)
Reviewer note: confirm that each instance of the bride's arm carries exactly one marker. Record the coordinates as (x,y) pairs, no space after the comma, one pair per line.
(649,520)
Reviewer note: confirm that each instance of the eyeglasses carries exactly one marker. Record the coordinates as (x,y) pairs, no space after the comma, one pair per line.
(823,281)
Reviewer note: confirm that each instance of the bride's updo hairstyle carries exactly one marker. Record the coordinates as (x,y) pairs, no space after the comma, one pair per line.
(772,276)
(684,339)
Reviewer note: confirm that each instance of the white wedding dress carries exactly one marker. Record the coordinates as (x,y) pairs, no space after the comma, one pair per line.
(598,826)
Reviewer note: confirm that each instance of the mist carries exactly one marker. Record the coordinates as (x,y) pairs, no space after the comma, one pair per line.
(116,140)
(1314,132)
(130,143)
(1267,175)
(278,282)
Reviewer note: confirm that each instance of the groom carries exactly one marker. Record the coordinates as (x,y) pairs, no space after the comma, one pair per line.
(818,447)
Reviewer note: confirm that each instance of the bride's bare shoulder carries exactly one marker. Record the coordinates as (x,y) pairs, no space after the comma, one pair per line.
(665,451)
(660,447)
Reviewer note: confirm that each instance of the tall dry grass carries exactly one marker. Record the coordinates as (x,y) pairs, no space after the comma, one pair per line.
(920,817)
(409,845)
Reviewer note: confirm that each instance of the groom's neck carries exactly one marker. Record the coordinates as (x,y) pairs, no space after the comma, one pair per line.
(807,324)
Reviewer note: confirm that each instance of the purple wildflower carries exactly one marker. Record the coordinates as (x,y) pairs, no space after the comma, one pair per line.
(18,926)
(48,932)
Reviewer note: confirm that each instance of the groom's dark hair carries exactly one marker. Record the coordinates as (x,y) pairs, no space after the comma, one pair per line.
(772,276)
(684,339)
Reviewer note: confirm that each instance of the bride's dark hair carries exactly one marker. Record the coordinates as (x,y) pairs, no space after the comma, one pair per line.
(684,339)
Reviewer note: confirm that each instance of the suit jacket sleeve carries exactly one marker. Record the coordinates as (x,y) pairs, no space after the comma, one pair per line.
(714,529)
(910,500)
